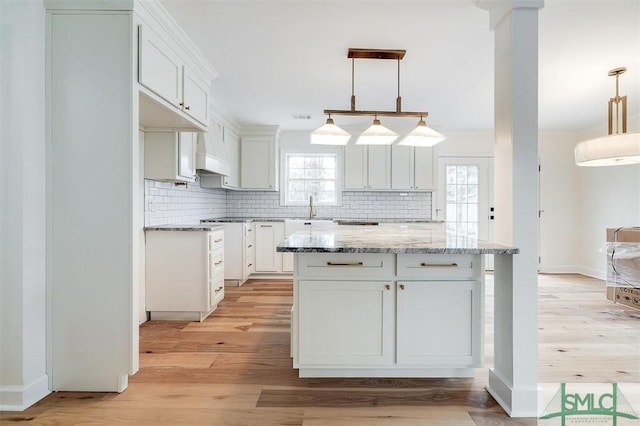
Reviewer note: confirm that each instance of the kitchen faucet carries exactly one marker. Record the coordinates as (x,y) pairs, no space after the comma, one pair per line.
(312,210)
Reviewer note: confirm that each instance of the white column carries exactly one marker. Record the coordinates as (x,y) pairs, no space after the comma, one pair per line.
(23,361)
(513,381)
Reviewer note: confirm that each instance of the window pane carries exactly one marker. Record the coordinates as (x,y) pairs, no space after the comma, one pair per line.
(462,213)
(296,173)
(329,162)
(297,162)
(472,212)
(451,212)
(451,174)
(451,193)
(462,194)
(296,185)
(473,193)
(472,174)
(462,174)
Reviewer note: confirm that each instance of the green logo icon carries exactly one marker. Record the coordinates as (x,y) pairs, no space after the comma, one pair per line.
(612,404)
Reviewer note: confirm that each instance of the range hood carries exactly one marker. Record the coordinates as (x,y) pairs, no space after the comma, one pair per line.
(211,157)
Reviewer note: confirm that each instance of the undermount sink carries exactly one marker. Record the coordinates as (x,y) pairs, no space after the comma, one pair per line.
(295,225)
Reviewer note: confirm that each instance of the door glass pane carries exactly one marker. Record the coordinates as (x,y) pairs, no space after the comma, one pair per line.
(462,200)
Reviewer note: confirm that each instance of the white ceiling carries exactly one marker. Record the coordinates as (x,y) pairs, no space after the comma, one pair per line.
(278,59)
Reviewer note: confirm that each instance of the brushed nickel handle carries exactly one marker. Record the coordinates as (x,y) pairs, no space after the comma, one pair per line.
(266,226)
(401,286)
(439,265)
(217,241)
(217,263)
(345,264)
(387,286)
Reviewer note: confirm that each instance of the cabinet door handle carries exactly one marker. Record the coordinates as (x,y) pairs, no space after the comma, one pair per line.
(250,265)
(217,289)
(249,230)
(250,245)
(345,264)
(187,108)
(387,287)
(181,103)
(439,265)
(217,263)
(217,241)
(401,286)
(266,226)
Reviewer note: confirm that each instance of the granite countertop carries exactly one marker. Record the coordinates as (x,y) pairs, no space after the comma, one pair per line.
(199,227)
(283,219)
(387,238)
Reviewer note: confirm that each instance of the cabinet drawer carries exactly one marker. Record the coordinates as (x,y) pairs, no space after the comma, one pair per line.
(216,264)
(353,265)
(216,240)
(217,291)
(440,266)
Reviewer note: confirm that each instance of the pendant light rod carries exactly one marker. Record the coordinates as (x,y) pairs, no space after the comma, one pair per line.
(617,101)
(394,54)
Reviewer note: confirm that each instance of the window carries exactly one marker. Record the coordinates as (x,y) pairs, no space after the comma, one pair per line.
(311,174)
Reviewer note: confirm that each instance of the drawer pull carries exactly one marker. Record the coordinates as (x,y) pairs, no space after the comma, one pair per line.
(217,263)
(439,265)
(217,289)
(387,287)
(250,245)
(401,286)
(345,264)
(217,241)
(266,226)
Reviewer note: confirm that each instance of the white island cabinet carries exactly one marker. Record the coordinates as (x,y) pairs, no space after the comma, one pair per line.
(401,301)
(184,271)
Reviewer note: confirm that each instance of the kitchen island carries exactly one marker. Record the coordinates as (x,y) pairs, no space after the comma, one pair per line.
(399,300)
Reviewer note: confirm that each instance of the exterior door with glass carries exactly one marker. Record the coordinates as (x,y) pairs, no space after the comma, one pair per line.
(465,196)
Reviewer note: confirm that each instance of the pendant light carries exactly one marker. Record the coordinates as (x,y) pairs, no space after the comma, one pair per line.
(422,136)
(330,134)
(376,134)
(617,149)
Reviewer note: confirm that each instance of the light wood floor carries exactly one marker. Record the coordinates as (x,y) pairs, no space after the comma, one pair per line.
(234,369)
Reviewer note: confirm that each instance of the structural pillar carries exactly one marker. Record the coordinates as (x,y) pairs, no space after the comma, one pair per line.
(513,381)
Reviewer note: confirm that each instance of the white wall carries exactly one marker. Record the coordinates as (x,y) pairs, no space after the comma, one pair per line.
(560,195)
(23,378)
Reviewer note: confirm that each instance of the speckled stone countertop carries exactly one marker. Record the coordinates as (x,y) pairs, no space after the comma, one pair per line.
(387,238)
(283,219)
(200,227)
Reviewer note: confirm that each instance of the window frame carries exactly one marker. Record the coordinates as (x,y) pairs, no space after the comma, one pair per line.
(310,151)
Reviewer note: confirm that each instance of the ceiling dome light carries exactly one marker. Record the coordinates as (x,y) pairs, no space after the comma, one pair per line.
(612,150)
(422,136)
(330,134)
(617,149)
(377,134)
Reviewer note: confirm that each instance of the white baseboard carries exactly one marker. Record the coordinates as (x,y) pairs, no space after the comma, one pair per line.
(573,269)
(19,398)
(594,273)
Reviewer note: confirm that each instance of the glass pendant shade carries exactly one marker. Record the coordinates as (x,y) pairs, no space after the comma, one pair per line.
(612,150)
(377,134)
(330,134)
(422,136)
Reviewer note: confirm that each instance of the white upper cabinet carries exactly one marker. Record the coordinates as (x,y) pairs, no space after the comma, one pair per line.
(160,68)
(165,72)
(367,167)
(259,160)
(170,156)
(412,168)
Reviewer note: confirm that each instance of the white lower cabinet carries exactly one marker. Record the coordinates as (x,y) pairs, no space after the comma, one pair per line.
(346,322)
(184,273)
(375,315)
(437,323)
(268,236)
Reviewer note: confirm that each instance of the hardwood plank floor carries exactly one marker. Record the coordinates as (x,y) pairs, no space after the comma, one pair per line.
(234,369)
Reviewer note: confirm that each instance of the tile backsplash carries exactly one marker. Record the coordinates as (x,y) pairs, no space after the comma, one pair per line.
(166,203)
